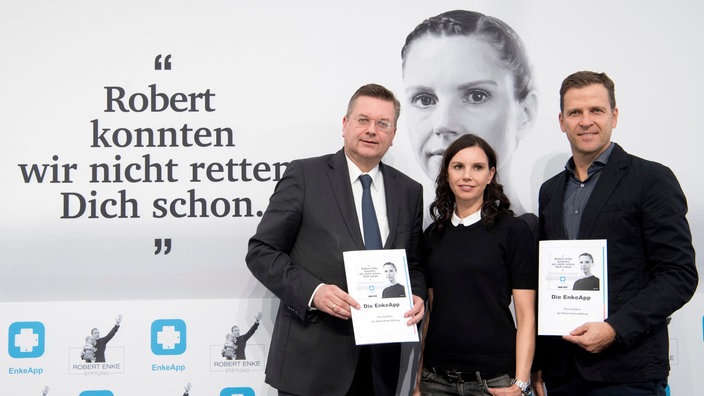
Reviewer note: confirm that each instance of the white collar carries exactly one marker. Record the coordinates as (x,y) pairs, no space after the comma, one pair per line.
(355,172)
(467,221)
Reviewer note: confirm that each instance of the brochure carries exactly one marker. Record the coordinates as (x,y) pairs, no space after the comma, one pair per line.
(379,281)
(572,286)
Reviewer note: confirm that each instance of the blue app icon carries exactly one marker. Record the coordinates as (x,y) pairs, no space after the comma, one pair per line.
(26,340)
(168,337)
(242,391)
(96,393)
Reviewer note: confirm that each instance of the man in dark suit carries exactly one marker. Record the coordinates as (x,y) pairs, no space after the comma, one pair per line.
(313,216)
(639,208)
(241,340)
(102,343)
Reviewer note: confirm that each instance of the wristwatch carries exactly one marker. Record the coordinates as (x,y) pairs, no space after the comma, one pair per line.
(526,388)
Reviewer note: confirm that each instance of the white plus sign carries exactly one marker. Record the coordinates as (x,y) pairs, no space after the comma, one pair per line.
(26,340)
(168,337)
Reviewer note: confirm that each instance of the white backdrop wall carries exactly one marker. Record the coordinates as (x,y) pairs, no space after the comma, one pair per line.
(278,74)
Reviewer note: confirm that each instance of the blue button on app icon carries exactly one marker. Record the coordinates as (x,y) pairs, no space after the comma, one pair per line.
(241,391)
(168,337)
(96,393)
(26,340)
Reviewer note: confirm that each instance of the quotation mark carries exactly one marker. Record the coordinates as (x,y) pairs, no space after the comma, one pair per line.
(165,243)
(167,63)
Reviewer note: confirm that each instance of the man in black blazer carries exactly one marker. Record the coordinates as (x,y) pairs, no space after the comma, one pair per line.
(101,344)
(639,208)
(313,216)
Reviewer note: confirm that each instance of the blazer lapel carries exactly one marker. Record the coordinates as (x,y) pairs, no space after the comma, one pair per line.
(555,206)
(606,185)
(393,194)
(339,178)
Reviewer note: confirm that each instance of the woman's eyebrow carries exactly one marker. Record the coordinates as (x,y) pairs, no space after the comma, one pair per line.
(473,84)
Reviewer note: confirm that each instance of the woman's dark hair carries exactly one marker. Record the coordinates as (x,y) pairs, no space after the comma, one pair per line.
(496,203)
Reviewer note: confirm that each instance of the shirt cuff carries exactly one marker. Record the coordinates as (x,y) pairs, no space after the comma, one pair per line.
(310,302)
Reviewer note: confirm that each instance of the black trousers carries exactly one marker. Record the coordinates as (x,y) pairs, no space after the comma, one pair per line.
(376,373)
(377,370)
(573,384)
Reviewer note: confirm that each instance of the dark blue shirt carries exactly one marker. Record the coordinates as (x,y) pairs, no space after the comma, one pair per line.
(577,192)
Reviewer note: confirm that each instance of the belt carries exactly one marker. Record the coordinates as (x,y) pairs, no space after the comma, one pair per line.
(456,376)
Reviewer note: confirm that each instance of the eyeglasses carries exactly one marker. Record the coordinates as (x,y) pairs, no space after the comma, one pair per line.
(382,125)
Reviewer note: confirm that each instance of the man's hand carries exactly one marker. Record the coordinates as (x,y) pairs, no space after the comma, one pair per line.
(594,337)
(416,313)
(334,301)
(538,383)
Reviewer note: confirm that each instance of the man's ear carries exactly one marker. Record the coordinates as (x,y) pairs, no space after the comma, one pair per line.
(559,119)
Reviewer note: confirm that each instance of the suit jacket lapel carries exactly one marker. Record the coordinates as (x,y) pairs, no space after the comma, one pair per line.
(606,185)
(393,194)
(555,206)
(339,178)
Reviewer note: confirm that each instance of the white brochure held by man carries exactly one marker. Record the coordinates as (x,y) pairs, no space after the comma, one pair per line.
(379,281)
(573,285)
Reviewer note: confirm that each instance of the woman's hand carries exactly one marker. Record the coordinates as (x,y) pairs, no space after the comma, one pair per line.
(512,390)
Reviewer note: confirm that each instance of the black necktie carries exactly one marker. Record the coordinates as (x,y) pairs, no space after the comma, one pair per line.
(372,236)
